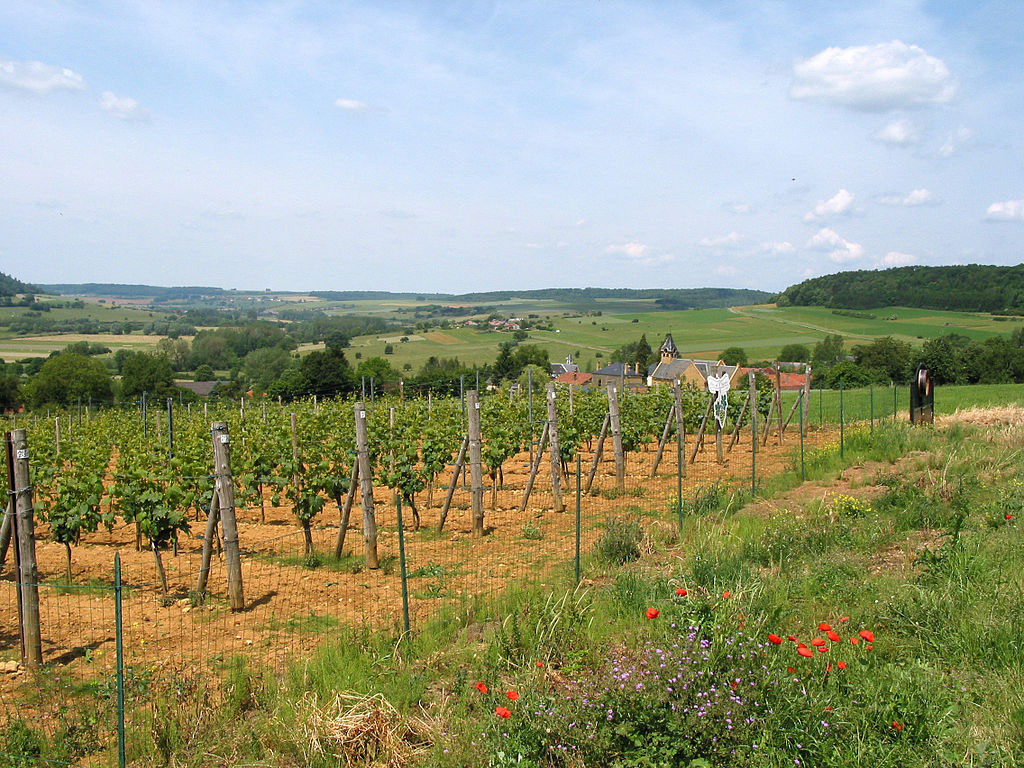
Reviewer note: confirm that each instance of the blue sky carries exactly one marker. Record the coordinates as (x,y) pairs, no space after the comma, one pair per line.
(466,146)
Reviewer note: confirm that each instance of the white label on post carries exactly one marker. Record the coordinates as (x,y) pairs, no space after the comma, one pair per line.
(362,414)
(224,439)
(476,406)
(23,453)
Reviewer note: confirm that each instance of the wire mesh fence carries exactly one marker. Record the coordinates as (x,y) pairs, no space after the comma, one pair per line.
(546,521)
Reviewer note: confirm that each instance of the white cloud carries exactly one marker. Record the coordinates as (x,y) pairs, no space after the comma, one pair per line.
(38,77)
(1008,210)
(726,271)
(732,240)
(640,254)
(738,207)
(838,248)
(353,105)
(778,249)
(954,141)
(839,204)
(897,259)
(122,107)
(914,197)
(874,77)
(901,132)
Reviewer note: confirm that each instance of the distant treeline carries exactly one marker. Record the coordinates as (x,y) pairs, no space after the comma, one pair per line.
(151,292)
(967,288)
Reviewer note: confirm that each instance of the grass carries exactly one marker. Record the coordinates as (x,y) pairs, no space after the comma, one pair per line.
(915,548)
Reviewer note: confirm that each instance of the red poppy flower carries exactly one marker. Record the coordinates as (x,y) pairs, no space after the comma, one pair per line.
(652,613)
(511,695)
(817,641)
(791,670)
(841,665)
(868,635)
(681,592)
(805,651)
(733,685)
(828,708)
(854,640)
(727,595)
(828,667)
(481,687)
(897,725)
(845,618)
(502,712)
(1008,516)
(869,647)
(790,637)
(775,639)
(540,664)
(824,627)
(822,649)
(834,637)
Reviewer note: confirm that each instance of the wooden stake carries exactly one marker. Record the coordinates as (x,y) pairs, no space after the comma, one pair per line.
(556,456)
(598,451)
(616,427)
(475,471)
(366,486)
(56,434)
(23,532)
(700,432)
(664,439)
(534,468)
(346,510)
(739,422)
(807,396)
(5,533)
(208,538)
(455,481)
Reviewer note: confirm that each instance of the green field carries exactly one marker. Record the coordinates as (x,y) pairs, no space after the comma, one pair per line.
(761,330)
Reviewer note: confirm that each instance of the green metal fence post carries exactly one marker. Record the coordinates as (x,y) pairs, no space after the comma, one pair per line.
(119,651)
(894,401)
(871,392)
(679,479)
(803,470)
(821,407)
(842,424)
(579,497)
(753,435)
(401,563)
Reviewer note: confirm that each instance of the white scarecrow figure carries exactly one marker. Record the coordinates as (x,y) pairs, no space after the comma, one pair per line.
(718,385)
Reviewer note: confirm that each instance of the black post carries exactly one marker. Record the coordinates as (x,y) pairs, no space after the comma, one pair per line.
(170,429)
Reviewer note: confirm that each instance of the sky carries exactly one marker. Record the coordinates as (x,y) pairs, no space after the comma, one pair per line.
(463,146)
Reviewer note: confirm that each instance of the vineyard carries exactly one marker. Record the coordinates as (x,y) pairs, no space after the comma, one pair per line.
(507,488)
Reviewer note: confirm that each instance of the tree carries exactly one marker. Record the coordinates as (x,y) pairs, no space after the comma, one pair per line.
(944,358)
(644,356)
(827,352)
(734,356)
(10,391)
(204,373)
(795,353)
(325,373)
(63,379)
(378,369)
(886,359)
(142,372)
(262,367)
(849,375)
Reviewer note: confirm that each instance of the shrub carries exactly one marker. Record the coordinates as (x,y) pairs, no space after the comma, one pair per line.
(619,542)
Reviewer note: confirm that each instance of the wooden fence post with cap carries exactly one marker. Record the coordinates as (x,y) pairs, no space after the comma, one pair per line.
(366,488)
(224,489)
(556,456)
(475,470)
(23,532)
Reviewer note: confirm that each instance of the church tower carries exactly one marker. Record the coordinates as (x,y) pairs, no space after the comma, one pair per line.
(668,349)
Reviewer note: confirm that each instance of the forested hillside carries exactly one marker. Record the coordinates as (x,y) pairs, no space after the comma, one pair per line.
(965,288)
(10,286)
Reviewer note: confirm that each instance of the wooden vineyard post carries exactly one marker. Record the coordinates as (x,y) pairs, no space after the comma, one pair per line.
(23,525)
(366,487)
(677,396)
(616,427)
(208,538)
(598,451)
(476,479)
(346,511)
(296,479)
(719,452)
(534,468)
(459,462)
(556,457)
(224,488)
(768,422)
(56,434)
(5,532)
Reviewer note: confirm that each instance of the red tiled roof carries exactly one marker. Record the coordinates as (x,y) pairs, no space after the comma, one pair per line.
(575,377)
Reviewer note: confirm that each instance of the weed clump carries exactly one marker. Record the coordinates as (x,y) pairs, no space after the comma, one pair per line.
(619,542)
